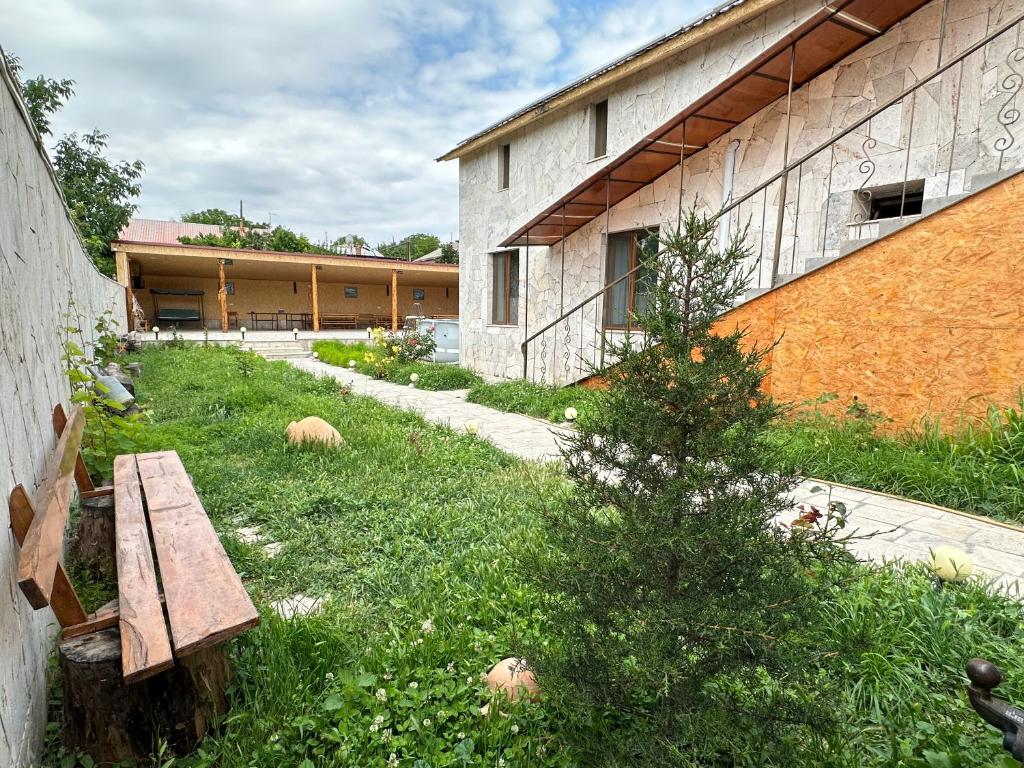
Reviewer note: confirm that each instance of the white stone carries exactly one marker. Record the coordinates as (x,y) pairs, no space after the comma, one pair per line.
(297,605)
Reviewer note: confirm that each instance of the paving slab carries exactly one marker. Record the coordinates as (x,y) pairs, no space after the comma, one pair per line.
(901,529)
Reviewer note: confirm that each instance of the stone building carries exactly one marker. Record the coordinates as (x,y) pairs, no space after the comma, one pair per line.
(820,127)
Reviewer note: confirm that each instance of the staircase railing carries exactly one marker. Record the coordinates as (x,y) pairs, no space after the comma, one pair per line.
(804,231)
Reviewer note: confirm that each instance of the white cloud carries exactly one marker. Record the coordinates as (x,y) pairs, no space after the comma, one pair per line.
(326,113)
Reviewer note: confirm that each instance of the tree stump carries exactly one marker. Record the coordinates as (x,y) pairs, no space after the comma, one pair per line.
(93,544)
(112,721)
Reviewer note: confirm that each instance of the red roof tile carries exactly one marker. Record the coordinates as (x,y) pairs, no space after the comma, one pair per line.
(167,232)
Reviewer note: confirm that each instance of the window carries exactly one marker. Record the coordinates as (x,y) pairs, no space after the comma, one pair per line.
(504,166)
(505,288)
(351,292)
(627,250)
(418,294)
(599,129)
(890,201)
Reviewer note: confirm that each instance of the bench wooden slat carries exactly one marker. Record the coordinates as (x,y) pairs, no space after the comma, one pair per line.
(206,602)
(40,554)
(63,600)
(145,647)
(82,479)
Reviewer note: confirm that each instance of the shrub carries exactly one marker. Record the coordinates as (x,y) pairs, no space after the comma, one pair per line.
(404,347)
(675,601)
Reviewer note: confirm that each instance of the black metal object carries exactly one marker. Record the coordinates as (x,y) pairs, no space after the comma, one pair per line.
(984,676)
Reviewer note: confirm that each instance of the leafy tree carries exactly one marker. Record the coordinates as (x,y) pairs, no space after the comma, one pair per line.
(410,247)
(99,192)
(277,239)
(43,96)
(675,598)
(449,254)
(221,218)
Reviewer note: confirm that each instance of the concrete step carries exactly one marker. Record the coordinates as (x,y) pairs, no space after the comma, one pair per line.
(283,354)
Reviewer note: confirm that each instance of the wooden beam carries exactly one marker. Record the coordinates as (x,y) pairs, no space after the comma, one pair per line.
(129,308)
(316,299)
(82,479)
(394,300)
(124,276)
(222,296)
(104,618)
(63,600)
(145,647)
(40,553)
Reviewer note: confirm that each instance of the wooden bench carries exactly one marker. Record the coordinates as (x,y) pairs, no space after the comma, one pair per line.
(186,599)
(338,321)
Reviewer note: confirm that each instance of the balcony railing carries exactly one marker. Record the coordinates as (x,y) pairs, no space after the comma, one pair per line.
(869,179)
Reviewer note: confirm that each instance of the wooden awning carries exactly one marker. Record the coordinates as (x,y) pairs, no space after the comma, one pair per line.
(827,37)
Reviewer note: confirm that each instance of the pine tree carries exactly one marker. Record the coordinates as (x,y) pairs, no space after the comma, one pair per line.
(673,593)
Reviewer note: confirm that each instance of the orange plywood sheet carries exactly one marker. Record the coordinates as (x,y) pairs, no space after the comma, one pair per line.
(928,322)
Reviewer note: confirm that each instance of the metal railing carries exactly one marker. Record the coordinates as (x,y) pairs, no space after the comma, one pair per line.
(865,181)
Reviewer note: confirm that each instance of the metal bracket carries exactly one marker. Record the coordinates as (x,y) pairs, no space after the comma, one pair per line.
(984,676)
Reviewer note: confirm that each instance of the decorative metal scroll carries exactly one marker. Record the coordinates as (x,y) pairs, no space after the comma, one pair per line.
(1009,114)
(867,166)
(567,355)
(543,359)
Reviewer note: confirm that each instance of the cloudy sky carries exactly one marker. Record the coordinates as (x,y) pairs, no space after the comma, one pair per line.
(327,114)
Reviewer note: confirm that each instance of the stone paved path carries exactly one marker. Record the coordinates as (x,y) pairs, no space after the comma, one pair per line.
(903,529)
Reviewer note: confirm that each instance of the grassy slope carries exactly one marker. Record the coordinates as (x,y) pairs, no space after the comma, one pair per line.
(520,396)
(412,522)
(409,523)
(977,469)
(433,376)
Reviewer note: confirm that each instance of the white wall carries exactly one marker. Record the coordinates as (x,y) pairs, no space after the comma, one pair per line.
(836,99)
(41,264)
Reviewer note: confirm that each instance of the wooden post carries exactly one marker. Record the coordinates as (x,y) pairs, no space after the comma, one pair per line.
(316,299)
(394,300)
(222,295)
(124,276)
(129,306)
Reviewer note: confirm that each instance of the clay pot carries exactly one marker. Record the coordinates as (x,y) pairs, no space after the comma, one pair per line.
(313,429)
(512,676)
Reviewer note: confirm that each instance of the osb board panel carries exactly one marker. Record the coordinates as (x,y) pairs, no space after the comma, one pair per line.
(926,322)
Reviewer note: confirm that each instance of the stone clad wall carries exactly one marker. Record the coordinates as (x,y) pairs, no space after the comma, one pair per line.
(827,186)
(552,155)
(41,265)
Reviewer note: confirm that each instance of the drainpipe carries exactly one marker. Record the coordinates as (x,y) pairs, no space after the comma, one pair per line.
(727,174)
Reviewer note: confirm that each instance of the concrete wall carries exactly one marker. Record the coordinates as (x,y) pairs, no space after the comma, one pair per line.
(827,186)
(42,265)
(293,297)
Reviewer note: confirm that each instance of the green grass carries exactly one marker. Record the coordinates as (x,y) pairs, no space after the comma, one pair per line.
(543,402)
(412,522)
(432,376)
(978,468)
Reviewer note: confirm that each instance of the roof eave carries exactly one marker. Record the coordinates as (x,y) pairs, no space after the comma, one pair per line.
(714,22)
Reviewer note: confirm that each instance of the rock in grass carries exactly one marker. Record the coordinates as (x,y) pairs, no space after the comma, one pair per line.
(313,429)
